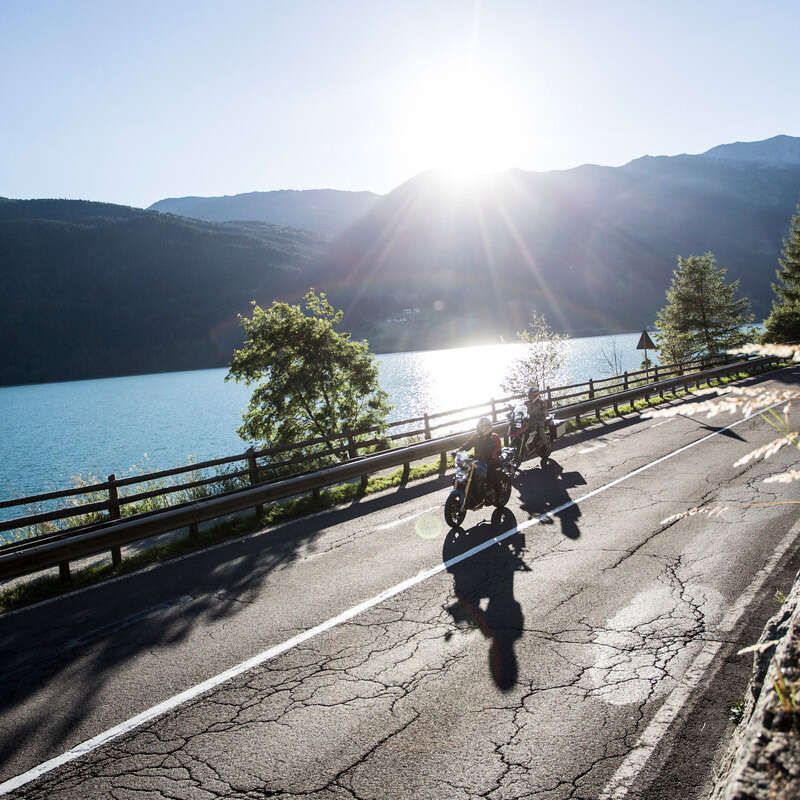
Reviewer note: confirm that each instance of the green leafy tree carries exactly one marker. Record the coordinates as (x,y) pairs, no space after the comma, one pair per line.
(311,381)
(544,358)
(783,323)
(703,316)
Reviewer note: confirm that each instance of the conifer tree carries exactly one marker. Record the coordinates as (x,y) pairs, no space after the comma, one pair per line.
(703,315)
(783,323)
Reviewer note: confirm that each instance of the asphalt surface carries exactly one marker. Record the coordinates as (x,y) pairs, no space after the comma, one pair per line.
(530,669)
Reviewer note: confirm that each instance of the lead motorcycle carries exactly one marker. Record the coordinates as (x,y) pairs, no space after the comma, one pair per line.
(471,489)
(524,444)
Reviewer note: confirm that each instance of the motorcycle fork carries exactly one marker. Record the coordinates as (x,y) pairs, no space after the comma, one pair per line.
(466,489)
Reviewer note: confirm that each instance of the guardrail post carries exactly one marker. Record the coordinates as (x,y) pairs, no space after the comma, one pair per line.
(427,427)
(352,447)
(655,373)
(114,513)
(404,476)
(63,572)
(442,464)
(252,468)
(494,411)
(549,392)
(625,379)
(591,389)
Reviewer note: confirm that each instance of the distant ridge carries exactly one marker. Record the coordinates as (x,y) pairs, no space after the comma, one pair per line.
(777,151)
(323,211)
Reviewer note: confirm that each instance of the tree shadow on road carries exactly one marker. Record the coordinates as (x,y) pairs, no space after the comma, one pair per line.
(86,638)
(489,575)
(545,488)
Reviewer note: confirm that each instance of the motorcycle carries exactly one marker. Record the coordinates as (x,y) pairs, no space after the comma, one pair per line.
(471,490)
(527,446)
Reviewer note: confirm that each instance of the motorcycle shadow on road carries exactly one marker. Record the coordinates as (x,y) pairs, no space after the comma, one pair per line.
(489,576)
(545,488)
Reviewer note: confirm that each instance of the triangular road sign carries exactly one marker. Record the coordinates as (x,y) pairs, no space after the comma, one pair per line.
(645,342)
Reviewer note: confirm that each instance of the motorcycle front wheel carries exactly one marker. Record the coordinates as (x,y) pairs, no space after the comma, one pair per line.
(454,510)
(502,492)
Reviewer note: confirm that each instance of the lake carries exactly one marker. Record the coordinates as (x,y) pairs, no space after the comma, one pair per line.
(55,431)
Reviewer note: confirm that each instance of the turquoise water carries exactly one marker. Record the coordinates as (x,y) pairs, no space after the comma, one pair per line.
(52,432)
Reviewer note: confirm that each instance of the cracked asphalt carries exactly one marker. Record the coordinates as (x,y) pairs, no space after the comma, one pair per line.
(526,671)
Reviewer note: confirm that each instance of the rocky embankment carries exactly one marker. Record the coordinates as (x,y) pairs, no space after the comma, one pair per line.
(763,759)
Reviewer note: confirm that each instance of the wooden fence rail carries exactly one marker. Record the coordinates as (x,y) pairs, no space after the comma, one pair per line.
(257,466)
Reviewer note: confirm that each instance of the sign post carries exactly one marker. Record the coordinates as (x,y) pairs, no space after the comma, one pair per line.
(646,343)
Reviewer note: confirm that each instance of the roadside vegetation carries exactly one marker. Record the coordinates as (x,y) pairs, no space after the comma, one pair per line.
(783,323)
(545,356)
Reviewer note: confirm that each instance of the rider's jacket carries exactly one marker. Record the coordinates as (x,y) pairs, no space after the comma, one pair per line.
(537,410)
(487,448)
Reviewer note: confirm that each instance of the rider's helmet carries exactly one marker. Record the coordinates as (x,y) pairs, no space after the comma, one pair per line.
(484,426)
(533,393)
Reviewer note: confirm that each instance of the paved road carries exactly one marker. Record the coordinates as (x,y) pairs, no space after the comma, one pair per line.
(532,668)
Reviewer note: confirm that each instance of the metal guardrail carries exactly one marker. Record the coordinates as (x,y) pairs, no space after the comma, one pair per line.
(58,549)
(119,497)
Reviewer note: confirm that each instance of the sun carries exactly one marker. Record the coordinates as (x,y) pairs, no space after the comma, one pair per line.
(462,122)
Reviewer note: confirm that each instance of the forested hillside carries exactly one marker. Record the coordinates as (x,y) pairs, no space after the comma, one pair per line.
(93,289)
(592,247)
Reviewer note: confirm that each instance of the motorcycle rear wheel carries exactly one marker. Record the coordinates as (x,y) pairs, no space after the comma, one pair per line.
(454,510)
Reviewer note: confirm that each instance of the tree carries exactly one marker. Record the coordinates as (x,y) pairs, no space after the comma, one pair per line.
(611,356)
(703,316)
(545,356)
(783,323)
(311,381)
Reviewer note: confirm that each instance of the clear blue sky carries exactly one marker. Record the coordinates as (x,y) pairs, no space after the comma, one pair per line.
(131,102)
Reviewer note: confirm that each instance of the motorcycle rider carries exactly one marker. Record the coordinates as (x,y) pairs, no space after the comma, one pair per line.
(487,446)
(537,414)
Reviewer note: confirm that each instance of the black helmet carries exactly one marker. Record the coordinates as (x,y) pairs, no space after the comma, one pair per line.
(533,392)
(484,425)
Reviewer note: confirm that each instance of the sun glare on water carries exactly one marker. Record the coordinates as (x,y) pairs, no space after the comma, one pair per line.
(463,123)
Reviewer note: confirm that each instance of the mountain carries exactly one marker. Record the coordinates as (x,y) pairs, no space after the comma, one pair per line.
(94,289)
(592,247)
(323,211)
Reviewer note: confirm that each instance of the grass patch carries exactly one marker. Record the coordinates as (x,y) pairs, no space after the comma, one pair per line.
(736,711)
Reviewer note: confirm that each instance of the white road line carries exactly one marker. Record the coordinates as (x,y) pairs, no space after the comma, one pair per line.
(211,683)
(621,781)
(403,520)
